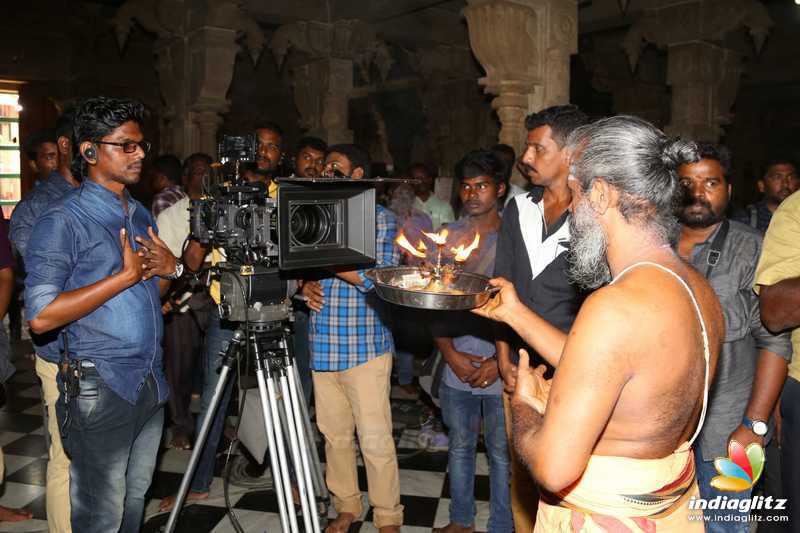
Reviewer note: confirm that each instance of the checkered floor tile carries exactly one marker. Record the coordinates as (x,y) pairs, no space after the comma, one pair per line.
(424,482)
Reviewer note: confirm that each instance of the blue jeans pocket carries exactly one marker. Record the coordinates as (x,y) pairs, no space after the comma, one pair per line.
(84,405)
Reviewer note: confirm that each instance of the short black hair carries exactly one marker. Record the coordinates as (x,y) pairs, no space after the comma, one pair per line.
(562,119)
(421,166)
(481,163)
(36,139)
(716,152)
(170,166)
(315,143)
(270,126)
(197,156)
(97,117)
(501,150)
(357,156)
(778,159)
(65,122)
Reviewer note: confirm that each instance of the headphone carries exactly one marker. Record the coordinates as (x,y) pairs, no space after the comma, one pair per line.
(90,153)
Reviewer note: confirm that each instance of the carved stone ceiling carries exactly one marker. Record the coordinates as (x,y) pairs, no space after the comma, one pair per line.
(411,23)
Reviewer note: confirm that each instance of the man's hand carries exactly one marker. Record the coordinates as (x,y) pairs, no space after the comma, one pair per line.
(315,296)
(132,262)
(484,375)
(745,437)
(158,260)
(508,372)
(532,389)
(503,305)
(166,308)
(463,364)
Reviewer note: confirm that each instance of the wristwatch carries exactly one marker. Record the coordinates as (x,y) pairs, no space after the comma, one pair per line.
(759,427)
(178,271)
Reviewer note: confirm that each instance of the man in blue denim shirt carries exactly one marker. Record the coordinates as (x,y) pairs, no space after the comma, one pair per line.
(85,275)
(471,388)
(32,206)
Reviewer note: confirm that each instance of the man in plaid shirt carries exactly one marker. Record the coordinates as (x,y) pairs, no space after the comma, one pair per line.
(351,359)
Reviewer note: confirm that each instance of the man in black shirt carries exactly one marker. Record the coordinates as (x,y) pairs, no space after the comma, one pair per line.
(531,253)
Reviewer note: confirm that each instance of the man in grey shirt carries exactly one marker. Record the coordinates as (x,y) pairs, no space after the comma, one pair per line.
(753,362)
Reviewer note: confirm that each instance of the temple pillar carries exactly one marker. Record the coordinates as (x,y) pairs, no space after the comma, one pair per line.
(323,70)
(704,76)
(525,47)
(195,54)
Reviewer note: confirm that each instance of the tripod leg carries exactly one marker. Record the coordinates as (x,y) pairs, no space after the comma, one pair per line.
(205,427)
(298,457)
(278,439)
(318,476)
(273,454)
(302,444)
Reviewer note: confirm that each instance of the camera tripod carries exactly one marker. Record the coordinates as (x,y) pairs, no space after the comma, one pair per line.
(285,421)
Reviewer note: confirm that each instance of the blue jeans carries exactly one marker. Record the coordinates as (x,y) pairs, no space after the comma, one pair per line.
(461,411)
(113,446)
(218,336)
(405,367)
(717,524)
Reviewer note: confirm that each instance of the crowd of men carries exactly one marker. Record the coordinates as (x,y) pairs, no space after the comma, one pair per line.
(638,334)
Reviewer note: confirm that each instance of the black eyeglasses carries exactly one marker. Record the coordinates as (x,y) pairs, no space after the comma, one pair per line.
(130,146)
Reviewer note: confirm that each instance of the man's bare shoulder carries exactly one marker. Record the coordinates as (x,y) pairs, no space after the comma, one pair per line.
(648,298)
(647,292)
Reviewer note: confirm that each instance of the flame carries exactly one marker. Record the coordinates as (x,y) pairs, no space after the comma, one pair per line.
(438,238)
(463,253)
(421,246)
(403,243)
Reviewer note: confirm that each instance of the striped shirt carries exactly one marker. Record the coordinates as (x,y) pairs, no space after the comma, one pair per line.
(166,198)
(352,327)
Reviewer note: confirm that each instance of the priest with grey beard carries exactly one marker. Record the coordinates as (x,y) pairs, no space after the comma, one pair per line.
(614,427)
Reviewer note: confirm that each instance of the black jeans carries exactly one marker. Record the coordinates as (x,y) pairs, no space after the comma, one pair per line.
(790,447)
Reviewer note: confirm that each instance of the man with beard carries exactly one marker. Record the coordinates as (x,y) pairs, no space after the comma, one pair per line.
(613,429)
(531,252)
(753,362)
(269,154)
(351,359)
(309,159)
(779,180)
(88,278)
(471,389)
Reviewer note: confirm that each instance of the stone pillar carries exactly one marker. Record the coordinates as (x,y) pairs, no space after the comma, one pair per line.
(322,90)
(195,56)
(704,79)
(524,46)
(324,68)
(207,123)
(704,76)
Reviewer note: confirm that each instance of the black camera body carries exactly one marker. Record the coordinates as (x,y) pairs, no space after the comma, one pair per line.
(240,218)
(313,223)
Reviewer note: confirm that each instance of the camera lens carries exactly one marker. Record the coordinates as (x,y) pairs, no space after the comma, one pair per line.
(310,224)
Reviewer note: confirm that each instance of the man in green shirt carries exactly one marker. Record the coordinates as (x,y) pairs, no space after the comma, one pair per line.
(441,212)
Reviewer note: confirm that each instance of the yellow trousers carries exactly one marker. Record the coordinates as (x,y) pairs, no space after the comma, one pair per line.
(58,508)
(353,401)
